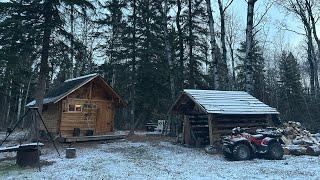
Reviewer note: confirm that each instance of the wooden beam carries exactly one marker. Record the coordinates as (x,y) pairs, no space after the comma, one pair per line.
(90,91)
(210,124)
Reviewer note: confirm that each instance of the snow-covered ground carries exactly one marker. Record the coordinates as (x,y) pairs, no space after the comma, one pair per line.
(156,160)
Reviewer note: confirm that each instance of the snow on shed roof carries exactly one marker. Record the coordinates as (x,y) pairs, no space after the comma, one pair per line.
(228,102)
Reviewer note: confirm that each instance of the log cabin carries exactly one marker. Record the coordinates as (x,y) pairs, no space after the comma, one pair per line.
(206,115)
(85,103)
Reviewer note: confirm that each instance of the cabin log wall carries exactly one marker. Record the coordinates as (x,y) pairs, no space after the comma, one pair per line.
(51,116)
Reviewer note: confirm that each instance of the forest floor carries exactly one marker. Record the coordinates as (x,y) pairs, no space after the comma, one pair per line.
(144,157)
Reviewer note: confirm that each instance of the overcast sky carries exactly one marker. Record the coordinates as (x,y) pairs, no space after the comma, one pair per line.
(270,31)
(275,15)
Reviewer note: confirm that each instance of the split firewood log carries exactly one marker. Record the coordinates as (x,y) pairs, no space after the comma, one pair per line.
(297,150)
(313,150)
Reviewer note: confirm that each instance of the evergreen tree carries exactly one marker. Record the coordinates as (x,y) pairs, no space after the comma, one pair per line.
(258,69)
(291,94)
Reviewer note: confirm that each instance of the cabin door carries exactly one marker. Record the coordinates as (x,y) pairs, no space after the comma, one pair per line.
(105,118)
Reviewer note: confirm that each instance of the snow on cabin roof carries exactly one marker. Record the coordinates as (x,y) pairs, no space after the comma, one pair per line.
(67,87)
(81,77)
(228,102)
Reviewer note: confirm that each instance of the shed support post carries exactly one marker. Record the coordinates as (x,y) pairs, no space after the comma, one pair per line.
(210,123)
(186,130)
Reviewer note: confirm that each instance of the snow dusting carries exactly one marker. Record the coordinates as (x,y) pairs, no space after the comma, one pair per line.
(156,160)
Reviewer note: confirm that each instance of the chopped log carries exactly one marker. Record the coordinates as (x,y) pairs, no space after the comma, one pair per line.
(313,151)
(70,153)
(297,150)
(286,151)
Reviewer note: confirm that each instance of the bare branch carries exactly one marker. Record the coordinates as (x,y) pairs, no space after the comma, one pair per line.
(264,14)
(227,6)
(296,32)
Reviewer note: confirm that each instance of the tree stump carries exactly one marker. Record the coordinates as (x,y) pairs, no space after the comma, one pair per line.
(70,153)
(28,157)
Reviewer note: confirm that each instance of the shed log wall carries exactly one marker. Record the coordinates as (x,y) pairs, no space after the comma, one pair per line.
(220,125)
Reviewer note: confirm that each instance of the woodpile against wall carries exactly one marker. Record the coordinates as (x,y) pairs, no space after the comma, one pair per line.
(299,141)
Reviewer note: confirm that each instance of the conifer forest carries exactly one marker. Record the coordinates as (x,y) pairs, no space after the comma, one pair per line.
(148,51)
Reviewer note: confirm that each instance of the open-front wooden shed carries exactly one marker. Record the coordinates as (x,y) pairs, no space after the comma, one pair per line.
(85,103)
(209,114)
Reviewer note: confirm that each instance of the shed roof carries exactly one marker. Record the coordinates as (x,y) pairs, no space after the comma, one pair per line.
(225,102)
(68,86)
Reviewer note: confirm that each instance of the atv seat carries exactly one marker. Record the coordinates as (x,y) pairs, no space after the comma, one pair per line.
(258,136)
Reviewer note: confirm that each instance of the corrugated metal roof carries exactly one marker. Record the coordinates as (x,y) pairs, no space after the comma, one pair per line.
(229,102)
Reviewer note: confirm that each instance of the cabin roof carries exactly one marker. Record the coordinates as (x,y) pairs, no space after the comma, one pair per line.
(223,102)
(69,86)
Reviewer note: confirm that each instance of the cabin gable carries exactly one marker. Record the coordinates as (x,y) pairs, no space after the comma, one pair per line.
(87,103)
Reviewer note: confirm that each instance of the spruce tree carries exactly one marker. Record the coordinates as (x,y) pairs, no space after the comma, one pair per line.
(258,68)
(291,94)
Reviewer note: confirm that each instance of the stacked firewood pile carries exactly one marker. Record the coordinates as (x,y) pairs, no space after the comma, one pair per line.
(299,141)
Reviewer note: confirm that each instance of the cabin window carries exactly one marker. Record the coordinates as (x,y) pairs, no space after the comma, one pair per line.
(72,107)
(89,106)
(75,108)
(78,107)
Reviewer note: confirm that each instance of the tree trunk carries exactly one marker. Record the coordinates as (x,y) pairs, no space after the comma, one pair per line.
(223,44)
(181,49)
(249,45)
(311,61)
(169,58)
(191,59)
(168,50)
(19,103)
(73,69)
(232,66)
(315,35)
(133,73)
(213,45)
(9,104)
(44,69)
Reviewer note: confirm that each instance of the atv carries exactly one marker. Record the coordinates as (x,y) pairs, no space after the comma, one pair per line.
(241,145)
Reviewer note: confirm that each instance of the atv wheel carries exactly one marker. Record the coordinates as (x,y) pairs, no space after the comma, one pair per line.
(241,152)
(275,151)
(226,154)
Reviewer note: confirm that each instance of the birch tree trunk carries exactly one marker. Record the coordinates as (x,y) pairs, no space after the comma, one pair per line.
(73,70)
(223,43)
(213,45)
(133,73)
(168,50)
(181,49)
(19,103)
(9,103)
(249,45)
